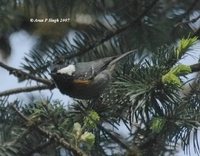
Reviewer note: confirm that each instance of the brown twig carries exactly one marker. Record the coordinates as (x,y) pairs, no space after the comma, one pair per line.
(194,68)
(52,136)
(21,74)
(25,89)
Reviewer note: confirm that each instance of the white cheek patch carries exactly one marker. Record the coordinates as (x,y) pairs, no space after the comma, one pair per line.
(69,70)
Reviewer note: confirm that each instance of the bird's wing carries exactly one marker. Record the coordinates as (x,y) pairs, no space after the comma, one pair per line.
(88,70)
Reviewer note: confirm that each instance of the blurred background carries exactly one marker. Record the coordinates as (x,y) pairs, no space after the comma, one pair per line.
(107,28)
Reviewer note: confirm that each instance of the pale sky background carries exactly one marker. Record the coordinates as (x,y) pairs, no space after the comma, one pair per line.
(22,42)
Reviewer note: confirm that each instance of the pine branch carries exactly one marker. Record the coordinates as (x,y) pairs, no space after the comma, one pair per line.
(113,137)
(25,89)
(192,6)
(38,148)
(21,74)
(55,137)
(194,68)
(110,35)
(194,3)
(189,21)
(116,139)
(36,63)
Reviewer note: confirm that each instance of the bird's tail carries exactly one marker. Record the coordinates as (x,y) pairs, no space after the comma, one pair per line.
(113,62)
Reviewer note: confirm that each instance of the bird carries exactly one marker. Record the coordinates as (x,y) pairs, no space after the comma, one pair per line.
(85,80)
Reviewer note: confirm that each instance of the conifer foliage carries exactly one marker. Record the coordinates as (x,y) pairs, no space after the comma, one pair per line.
(148,98)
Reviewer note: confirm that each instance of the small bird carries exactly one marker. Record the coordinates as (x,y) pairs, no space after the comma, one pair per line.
(85,80)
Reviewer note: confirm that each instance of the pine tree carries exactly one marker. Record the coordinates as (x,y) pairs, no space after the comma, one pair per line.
(147,93)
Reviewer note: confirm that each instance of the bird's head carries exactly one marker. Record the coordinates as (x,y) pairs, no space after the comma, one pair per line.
(63,69)
(62,76)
